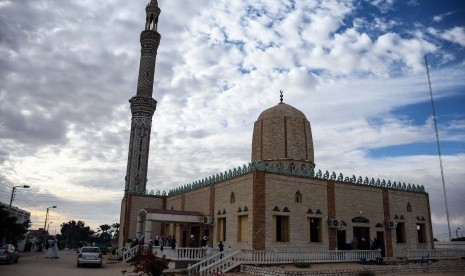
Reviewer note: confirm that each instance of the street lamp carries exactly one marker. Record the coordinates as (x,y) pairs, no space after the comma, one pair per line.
(13,193)
(45,224)
(48,227)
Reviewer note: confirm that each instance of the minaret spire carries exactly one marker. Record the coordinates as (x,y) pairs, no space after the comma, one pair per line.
(143,106)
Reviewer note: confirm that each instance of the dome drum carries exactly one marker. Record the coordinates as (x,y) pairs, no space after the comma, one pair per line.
(282,133)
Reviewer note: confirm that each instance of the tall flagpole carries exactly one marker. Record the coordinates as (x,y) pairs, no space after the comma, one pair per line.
(439,148)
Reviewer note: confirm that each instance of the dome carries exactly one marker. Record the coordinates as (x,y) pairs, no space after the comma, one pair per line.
(282,134)
(281,110)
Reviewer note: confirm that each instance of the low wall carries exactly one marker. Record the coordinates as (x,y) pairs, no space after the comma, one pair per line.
(392,269)
(449,245)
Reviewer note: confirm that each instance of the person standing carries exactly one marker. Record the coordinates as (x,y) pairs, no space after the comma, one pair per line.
(49,247)
(354,243)
(173,243)
(221,247)
(55,249)
(192,241)
(203,242)
(150,247)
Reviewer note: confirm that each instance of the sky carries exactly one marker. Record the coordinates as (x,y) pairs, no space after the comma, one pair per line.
(355,68)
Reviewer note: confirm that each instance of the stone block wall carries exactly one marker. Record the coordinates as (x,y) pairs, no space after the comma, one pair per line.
(135,203)
(398,201)
(281,192)
(353,201)
(242,188)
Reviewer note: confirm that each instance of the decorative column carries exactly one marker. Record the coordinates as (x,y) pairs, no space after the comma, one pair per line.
(143,106)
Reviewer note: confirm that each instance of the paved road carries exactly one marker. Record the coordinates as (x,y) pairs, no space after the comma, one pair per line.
(34,264)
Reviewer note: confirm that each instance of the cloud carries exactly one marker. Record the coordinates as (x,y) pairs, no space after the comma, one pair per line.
(383,5)
(67,71)
(456,35)
(440,17)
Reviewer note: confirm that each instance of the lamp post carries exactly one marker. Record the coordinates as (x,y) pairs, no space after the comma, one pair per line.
(13,193)
(45,224)
(48,227)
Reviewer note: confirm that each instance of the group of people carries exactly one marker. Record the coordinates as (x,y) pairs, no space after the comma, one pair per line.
(170,241)
(160,241)
(362,244)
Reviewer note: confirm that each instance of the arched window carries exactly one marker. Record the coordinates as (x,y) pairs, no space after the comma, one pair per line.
(292,167)
(298,197)
(360,220)
(409,207)
(232,198)
(303,167)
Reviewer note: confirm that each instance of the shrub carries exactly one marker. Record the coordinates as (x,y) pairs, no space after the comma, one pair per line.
(302,265)
(366,273)
(150,263)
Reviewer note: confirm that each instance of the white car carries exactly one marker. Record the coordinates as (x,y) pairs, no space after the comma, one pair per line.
(89,255)
(8,254)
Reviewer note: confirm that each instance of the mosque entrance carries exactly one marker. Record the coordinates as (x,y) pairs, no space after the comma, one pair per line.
(362,234)
(341,240)
(184,238)
(195,230)
(380,238)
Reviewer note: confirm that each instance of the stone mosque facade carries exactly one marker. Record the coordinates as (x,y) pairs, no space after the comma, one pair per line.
(279,201)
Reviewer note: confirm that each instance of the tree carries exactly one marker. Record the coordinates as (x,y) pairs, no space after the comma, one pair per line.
(73,232)
(11,231)
(105,235)
(115,230)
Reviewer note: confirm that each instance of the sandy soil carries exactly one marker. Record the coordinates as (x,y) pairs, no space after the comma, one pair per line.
(35,264)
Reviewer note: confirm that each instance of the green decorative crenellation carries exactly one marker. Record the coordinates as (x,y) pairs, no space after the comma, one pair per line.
(326,176)
(333,176)
(294,171)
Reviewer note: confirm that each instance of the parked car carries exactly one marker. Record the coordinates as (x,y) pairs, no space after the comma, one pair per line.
(8,254)
(89,255)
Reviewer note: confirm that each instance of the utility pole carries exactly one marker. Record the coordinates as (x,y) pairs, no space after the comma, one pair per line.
(439,148)
(13,193)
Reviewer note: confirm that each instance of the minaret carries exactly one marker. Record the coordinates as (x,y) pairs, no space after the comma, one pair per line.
(143,105)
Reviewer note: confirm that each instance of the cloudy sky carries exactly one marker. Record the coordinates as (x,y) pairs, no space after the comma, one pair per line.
(355,68)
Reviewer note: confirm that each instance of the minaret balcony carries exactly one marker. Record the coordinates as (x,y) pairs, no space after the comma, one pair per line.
(143,104)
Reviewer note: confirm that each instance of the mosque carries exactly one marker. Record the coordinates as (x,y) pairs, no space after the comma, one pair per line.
(278,201)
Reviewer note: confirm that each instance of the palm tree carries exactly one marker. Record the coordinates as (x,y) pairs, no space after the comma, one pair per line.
(104,235)
(115,230)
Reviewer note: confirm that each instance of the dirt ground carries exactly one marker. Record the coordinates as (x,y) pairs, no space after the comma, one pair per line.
(36,264)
